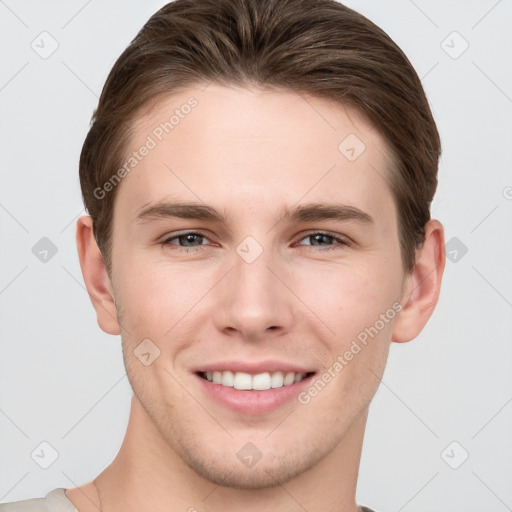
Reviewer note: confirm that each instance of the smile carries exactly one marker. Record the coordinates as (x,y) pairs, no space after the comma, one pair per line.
(258,382)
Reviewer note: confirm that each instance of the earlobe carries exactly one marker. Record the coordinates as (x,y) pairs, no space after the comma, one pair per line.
(96,277)
(422,285)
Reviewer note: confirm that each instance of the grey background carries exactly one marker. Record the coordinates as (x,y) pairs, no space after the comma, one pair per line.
(62,380)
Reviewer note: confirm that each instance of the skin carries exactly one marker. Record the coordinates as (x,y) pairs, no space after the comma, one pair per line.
(249,153)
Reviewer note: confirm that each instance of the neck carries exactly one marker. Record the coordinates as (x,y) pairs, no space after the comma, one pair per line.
(148,475)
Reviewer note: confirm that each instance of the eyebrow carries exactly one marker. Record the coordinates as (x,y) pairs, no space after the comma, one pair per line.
(303,213)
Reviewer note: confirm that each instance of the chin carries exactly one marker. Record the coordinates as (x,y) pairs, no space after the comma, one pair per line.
(264,474)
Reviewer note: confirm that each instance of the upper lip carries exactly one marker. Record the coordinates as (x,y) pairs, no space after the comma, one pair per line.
(253,367)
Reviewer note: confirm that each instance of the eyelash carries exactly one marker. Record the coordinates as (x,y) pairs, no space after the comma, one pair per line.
(167,241)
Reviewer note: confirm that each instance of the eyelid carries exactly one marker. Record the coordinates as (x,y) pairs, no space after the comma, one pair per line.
(178,234)
(338,238)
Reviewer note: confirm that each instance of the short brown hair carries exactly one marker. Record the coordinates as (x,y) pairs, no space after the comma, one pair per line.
(320,47)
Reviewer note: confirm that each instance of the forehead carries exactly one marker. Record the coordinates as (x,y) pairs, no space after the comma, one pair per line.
(244,148)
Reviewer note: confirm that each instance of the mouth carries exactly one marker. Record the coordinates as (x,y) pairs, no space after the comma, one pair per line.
(252,394)
(254,382)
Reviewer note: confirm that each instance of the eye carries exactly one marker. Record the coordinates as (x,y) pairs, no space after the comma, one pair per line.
(318,238)
(184,239)
(192,241)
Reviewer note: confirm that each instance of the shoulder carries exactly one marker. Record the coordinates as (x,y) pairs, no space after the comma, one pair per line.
(55,501)
(31,505)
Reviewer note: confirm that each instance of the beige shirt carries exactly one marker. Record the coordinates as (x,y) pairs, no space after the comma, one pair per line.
(54,501)
(57,501)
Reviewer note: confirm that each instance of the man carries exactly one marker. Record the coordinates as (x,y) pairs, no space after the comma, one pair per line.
(258,176)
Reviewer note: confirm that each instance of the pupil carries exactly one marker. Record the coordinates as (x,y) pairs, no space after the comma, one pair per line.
(190,238)
(318,238)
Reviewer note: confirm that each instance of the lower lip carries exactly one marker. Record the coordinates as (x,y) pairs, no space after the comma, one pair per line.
(253,402)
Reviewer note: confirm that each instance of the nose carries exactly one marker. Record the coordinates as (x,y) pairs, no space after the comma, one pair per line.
(254,301)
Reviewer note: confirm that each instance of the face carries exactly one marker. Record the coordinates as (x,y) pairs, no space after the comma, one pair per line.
(284,269)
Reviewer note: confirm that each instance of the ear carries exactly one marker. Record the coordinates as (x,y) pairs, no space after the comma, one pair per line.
(422,285)
(96,277)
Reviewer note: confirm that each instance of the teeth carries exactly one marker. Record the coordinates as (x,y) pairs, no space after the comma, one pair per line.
(228,379)
(259,382)
(289,378)
(242,381)
(277,380)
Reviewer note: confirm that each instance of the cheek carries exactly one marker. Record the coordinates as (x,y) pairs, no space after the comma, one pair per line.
(349,299)
(156,296)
